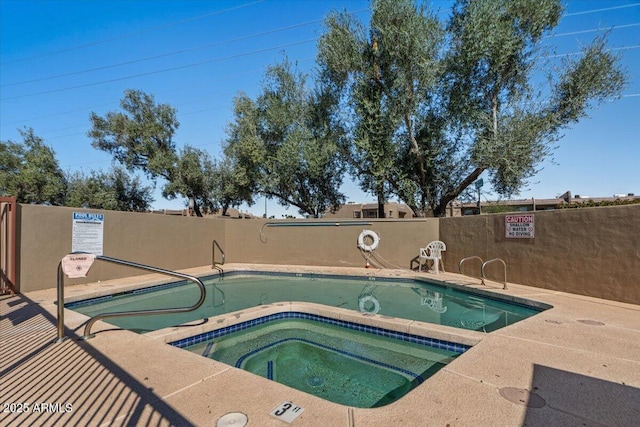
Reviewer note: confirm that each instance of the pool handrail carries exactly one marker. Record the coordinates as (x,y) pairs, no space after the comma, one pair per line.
(215,244)
(468,258)
(214,264)
(94,319)
(504,264)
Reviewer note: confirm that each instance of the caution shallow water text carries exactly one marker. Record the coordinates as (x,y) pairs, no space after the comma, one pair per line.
(520,226)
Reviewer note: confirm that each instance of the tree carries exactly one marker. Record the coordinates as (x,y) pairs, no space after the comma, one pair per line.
(231,184)
(193,177)
(466,107)
(283,145)
(382,76)
(141,138)
(113,190)
(30,171)
(506,126)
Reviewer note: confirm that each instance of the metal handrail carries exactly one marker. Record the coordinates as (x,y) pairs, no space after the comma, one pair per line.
(504,265)
(215,244)
(466,259)
(94,319)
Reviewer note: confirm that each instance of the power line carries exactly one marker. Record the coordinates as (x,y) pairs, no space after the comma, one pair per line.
(47,116)
(252,36)
(613,49)
(148,30)
(74,73)
(265,33)
(616,27)
(606,9)
(195,64)
(224,42)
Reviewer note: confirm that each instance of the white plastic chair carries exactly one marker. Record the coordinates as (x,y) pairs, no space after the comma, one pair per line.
(432,252)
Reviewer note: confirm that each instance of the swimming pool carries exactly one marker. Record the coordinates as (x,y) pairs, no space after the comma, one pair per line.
(413,299)
(337,360)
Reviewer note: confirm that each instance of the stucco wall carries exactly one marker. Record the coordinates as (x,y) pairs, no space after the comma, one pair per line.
(589,251)
(170,242)
(256,241)
(176,242)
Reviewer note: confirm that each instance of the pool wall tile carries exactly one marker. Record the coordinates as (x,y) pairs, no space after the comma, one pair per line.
(446,333)
(421,340)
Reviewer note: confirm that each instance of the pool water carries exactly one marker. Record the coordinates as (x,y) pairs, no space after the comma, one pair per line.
(402,298)
(328,358)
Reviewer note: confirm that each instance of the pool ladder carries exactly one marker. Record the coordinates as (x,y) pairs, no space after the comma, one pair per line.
(214,264)
(94,319)
(484,264)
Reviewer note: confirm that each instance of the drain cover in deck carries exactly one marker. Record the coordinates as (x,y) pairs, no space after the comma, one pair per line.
(523,397)
(232,419)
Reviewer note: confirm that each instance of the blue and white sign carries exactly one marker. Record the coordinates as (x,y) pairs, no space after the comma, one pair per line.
(87,233)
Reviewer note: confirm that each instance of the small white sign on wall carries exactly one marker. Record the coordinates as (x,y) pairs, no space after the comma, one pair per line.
(77,265)
(87,233)
(520,226)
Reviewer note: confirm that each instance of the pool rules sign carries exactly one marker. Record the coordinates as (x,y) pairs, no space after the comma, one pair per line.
(87,233)
(520,226)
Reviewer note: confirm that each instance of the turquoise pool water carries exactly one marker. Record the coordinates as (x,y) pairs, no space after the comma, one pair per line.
(403,298)
(343,362)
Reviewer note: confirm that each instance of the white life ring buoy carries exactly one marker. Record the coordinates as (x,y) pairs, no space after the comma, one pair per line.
(373,307)
(373,236)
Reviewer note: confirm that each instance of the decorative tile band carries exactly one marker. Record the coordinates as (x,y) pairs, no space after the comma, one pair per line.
(90,301)
(416,339)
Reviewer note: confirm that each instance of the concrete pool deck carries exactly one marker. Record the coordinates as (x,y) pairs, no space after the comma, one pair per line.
(576,364)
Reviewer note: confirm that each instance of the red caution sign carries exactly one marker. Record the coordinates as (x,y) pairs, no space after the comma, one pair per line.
(520,226)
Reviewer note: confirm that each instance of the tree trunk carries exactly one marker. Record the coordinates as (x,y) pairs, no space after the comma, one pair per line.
(196,209)
(381,201)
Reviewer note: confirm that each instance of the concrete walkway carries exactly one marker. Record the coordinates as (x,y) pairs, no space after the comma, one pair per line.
(577,364)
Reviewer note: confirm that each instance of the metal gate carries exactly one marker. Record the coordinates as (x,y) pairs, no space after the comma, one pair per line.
(8,245)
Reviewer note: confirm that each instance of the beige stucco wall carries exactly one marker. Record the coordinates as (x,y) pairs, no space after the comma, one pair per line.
(176,242)
(326,245)
(589,251)
(170,242)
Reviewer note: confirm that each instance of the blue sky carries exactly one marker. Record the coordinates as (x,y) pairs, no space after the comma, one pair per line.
(62,60)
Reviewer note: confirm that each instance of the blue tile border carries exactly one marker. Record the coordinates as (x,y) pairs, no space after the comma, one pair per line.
(90,301)
(374,330)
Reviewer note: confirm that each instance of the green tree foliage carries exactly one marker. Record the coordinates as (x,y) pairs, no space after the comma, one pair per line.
(283,145)
(140,137)
(113,190)
(194,176)
(231,184)
(381,78)
(431,111)
(29,171)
